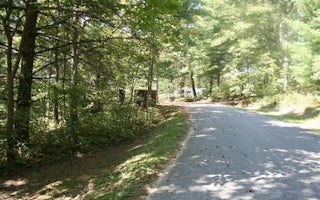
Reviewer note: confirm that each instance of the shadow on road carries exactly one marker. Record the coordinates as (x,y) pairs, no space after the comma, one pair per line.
(233,154)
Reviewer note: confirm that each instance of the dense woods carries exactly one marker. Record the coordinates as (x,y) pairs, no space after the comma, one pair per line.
(65,63)
(69,70)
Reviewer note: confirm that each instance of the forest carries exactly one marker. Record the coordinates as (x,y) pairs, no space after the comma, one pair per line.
(70,69)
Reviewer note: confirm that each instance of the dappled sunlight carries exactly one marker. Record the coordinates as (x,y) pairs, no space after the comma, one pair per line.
(209,129)
(224,191)
(195,157)
(200,136)
(216,112)
(100,174)
(168,189)
(54,188)
(225,158)
(132,168)
(136,147)
(225,185)
(280,123)
(13,186)
(267,179)
(15,183)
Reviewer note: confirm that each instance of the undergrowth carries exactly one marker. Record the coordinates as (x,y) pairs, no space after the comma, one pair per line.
(121,171)
(114,126)
(128,179)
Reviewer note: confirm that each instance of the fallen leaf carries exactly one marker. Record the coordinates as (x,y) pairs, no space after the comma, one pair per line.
(250,190)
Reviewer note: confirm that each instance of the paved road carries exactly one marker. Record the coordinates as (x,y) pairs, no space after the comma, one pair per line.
(234,154)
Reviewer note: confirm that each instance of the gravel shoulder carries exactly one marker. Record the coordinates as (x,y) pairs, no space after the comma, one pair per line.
(234,154)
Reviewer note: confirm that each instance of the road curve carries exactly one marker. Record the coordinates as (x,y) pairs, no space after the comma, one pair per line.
(234,154)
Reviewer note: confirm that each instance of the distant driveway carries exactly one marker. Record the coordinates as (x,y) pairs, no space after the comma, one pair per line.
(234,154)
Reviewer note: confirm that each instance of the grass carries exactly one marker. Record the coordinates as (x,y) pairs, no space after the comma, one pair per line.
(118,172)
(128,179)
(303,110)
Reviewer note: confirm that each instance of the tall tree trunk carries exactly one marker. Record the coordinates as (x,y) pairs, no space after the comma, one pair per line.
(27,48)
(11,156)
(74,96)
(151,69)
(56,95)
(182,84)
(57,71)
(193,84)
(218,80)
(12,69)
(211,84)
(150,80)
(281,39)
(97,104)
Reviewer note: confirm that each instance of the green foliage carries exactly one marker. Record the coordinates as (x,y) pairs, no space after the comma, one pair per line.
(85,52)
(258,48)
(127,122)
(120,124)
(221,93)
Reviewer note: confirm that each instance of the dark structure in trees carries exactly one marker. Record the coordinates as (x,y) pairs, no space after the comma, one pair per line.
(142,98)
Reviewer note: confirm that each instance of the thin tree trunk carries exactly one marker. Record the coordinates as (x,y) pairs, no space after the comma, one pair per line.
(57,72)
(211,84)
(56,95)
(182,84)
(74,97)
(65,65)
(218,80)
(27,47)
(193,84)
(97,104)
(151,71)
(11,155)
(11,72)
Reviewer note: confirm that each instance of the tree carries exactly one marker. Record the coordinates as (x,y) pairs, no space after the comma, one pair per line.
(27,51)
(10,27)
(74,56)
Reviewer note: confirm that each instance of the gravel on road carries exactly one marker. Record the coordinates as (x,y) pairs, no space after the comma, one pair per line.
(234,154)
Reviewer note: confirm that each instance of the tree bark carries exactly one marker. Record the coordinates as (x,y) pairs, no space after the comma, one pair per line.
(12,69)
(57,71)
(182,84)
(11,155)
(218,80)
(27,48)
(74,96)
(211,84)
(56,96)
(151,69)
(193,84)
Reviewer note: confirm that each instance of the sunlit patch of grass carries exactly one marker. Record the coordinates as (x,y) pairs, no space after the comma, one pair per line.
(135,167)
(303,121)
(303,110)
(128,180)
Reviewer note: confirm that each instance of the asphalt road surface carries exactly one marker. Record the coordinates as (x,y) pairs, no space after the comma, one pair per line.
(235,154)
